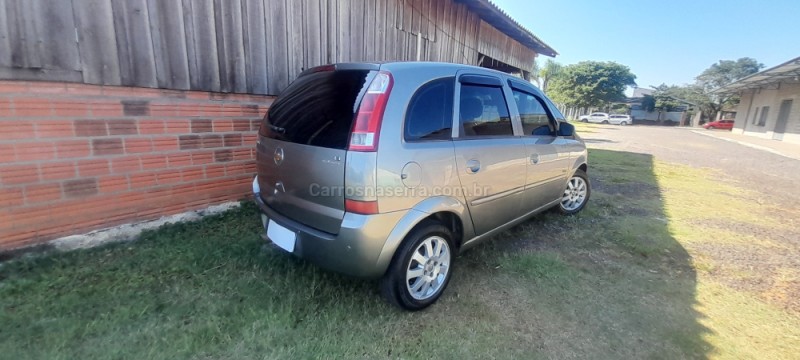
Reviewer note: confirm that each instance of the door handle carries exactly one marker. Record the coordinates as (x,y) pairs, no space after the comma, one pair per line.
(534,159)
(473,166)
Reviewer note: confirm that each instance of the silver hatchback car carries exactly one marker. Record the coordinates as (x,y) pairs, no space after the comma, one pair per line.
(390,170)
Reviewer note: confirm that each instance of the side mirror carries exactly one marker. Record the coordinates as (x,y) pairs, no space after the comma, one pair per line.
(566,129)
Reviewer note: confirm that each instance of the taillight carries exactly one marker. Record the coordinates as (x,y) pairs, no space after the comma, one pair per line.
(263,130)
(361,207)
(367,126)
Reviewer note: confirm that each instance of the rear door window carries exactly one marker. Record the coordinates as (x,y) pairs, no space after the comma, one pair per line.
(317,109)
(535,120)
(430,112)
(483,112)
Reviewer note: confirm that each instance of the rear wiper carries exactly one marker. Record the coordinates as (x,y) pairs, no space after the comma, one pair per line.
(277,129)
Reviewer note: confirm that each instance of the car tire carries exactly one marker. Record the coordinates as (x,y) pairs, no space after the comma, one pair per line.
(710,128)
(401,287)
(623,123)
(605,122)
(576,194)
(585,120)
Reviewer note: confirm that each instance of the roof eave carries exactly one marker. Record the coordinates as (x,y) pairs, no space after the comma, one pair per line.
(498,18)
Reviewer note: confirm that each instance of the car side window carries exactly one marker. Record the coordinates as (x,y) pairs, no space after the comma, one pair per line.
(532,113)
(483,112)
(430,112)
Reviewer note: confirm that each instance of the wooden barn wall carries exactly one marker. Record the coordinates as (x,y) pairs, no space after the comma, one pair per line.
(241,46)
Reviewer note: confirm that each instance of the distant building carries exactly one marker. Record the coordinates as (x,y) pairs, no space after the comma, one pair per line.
(769,102)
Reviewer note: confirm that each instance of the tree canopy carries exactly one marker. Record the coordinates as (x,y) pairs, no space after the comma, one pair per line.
(590,84)
(727,71)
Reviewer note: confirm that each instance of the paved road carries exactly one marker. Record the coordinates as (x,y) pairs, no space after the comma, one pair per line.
(774,176)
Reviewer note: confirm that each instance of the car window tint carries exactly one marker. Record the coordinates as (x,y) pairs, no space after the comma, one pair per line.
(430,112)
(483,111)
(532,113)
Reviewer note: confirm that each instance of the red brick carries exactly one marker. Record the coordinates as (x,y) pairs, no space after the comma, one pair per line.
(90,128)
(19,174)
(125,165)
(47,88)
(7,153)
(242,154)
(6,108)
(232,110)
(249,140)
(189,142)
(81,89)
(69,108)
(135,107)
(42,193)
(223,125)
(93,167)
(202,126)
(197,95)
(13,87)
(153,162)
(32,107)
(179,160)
(255,124)
(54,129)
(107,146)
(192,174)
(30,151)
(165,143)
(113,184)
(16,129)
(57,171)
(232,140)
(215,171)
(163,110)
(211,141)
(202,157)
(118,91)
(250,110)
(138,145)
(177,126)
(148,127)
(241,125)
(80,187)
(105,108)
(223,155)
(169,177)
(11,196)
(72,149)
(122,127)
(143,180)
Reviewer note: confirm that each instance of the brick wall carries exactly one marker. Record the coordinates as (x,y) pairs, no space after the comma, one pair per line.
(75,157)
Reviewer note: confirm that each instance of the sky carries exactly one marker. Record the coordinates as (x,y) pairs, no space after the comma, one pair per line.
(668,41)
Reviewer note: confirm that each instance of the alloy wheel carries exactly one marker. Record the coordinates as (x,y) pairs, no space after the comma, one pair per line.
(575,194)
(428,268)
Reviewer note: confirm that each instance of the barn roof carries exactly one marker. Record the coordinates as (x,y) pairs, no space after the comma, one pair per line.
(498,18)
(785,71)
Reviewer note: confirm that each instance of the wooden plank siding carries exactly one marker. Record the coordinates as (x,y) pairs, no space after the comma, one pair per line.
(239,46)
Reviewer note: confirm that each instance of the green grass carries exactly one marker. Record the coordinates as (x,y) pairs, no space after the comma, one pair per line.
(633,276)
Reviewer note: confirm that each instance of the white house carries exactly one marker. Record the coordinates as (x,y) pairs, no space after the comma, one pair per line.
(770,102)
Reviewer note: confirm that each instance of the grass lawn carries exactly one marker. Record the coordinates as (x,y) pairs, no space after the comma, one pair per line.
(637,275)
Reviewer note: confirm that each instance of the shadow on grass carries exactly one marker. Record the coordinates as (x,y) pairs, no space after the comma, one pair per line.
(608,283)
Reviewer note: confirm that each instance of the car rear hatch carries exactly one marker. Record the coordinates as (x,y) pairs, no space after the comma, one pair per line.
(303,143)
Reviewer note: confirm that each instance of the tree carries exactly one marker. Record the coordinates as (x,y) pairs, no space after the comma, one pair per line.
(590,84)
(550,69)
(664,99)
(718,75)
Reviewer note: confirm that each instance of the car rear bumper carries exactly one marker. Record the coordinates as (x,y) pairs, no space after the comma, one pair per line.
(354,250)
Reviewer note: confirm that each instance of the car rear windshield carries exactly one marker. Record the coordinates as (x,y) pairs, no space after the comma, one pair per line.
(317,109)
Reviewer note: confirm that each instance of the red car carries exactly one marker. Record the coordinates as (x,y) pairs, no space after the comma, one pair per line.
(721,124)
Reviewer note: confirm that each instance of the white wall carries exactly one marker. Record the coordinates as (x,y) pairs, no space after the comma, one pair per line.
(753,99)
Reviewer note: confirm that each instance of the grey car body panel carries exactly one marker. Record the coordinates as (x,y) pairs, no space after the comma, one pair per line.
(364,245)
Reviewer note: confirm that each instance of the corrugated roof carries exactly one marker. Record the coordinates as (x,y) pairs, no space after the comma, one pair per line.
(498,18)
(787,70)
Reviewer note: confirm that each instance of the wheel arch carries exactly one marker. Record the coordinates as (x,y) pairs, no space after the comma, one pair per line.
(449,211)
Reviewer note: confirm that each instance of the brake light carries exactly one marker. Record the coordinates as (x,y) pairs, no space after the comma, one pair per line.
(361,207)
(367,126)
